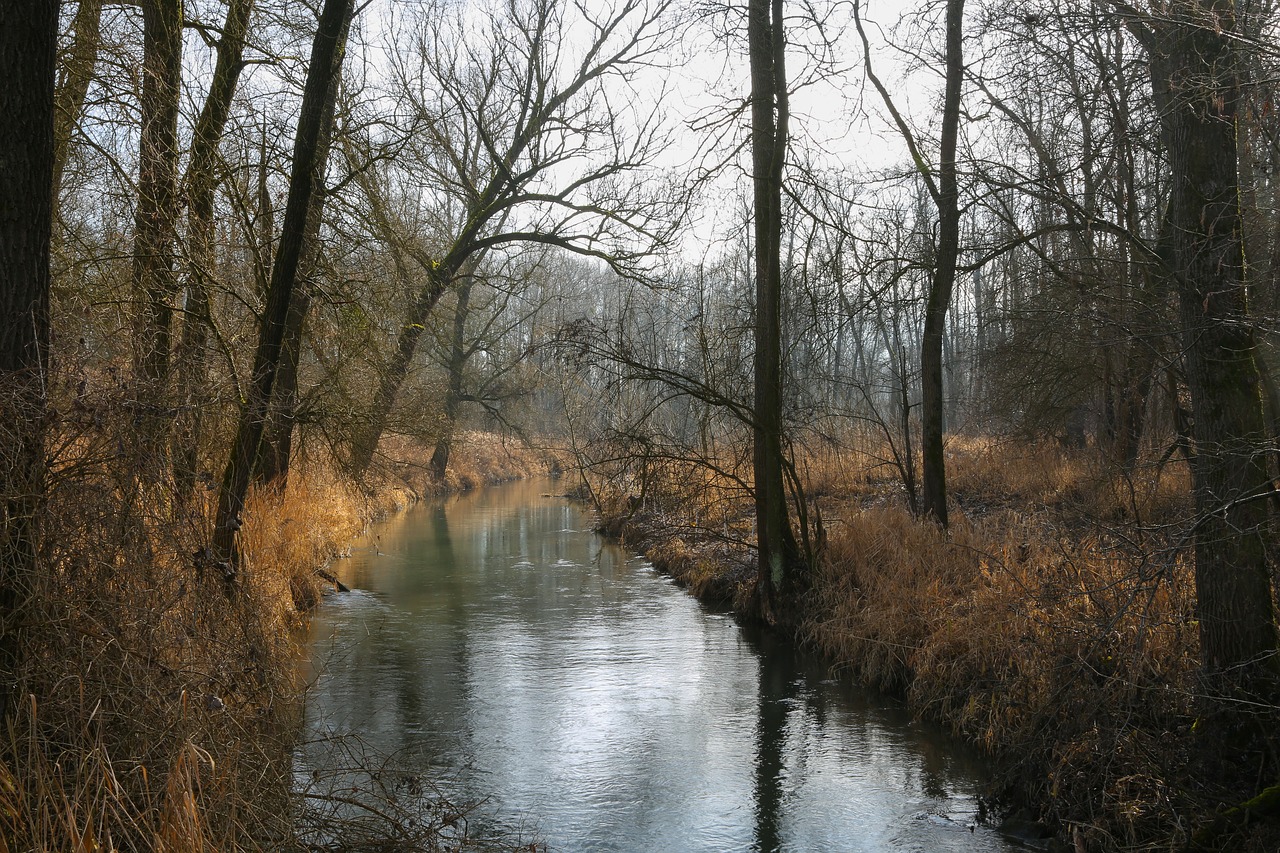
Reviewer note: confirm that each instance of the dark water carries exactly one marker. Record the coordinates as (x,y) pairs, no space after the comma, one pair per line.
(495,643)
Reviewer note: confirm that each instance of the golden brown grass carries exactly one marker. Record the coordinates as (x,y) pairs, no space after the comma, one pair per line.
(477,459)
(160,705)
(1053,622)
(285,541)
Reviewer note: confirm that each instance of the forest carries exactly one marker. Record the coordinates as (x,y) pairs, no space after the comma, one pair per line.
(936,335)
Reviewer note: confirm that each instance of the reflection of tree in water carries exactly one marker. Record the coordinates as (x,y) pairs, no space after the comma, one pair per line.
(779,689)
(387,681)
(935,770)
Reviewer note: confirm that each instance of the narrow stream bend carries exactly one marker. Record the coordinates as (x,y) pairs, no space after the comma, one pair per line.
(494,642)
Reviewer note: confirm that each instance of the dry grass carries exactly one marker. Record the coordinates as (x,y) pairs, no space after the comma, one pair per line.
(477,459)
(1053,622)
(160,706)
(285,541)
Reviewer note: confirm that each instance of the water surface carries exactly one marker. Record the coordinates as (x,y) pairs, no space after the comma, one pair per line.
(495,643)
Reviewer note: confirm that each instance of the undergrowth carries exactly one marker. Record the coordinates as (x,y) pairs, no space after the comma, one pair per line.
(160,705)
(1053,622)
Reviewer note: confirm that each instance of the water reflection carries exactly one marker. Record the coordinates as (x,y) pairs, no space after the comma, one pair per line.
(494,642)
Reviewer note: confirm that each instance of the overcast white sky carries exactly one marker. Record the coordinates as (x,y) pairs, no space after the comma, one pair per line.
(835,120)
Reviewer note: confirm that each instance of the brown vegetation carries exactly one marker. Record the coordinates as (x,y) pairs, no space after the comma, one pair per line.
(160,705)
(1053,623)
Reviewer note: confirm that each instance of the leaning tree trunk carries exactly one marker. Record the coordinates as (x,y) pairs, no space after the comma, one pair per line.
(76,73)
(777,553)
(396,370)
(201,184)
(1194,69)
(28,48)
(934,473)
(272,464)
(326,52)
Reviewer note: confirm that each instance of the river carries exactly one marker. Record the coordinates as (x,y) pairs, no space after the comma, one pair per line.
(496,645)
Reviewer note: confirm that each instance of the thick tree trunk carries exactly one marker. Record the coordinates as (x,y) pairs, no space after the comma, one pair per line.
(28,50)
(201,184)
(934,474)
(1195,77)
(155,217)
(326,52)
(777,553)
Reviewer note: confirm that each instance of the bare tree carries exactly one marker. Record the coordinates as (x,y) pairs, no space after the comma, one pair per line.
(944,191)
(779,557)
(521,144)
(308,172)
(946,254)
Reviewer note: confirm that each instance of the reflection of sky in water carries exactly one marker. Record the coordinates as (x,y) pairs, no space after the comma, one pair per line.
(497,642)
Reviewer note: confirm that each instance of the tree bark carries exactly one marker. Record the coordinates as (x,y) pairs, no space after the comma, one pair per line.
(271,467)
(28,51)
(934,474)
(439,464)
(777,552)
(1194,71)
(154,282)
(307,174)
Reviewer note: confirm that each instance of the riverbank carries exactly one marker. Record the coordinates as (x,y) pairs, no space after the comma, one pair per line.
(1053,624)
(162,707)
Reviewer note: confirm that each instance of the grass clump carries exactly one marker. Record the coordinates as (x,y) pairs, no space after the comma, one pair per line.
(1053,623)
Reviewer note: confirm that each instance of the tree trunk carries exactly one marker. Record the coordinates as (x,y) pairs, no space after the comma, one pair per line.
(272,464)
(154,283)
(934,474)
(1194,69)
(271,467)
(777,552)
(73,85)
(394,374)
(28,50)
(202,181)
(326,53)
(453,394)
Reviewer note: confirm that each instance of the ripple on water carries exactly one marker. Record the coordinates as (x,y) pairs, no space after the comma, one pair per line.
(523,661)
